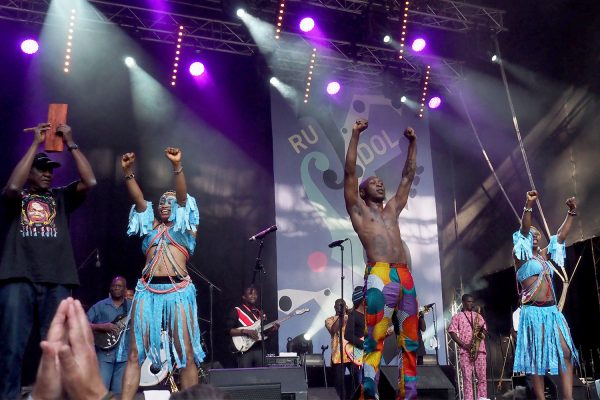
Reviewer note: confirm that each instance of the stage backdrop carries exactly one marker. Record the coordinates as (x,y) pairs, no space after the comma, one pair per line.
(309,149)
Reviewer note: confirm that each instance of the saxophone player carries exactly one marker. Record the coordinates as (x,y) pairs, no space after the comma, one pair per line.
(468,328)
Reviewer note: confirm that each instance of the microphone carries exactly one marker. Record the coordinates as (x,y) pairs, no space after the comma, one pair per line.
(263,233)
(337,243)
(429,305)
(98,264)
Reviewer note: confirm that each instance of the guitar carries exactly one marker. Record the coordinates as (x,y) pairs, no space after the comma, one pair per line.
(355,354)
(243,343)
(108,340)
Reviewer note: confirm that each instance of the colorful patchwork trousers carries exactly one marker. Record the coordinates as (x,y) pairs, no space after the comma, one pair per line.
(390,288)
(468,368)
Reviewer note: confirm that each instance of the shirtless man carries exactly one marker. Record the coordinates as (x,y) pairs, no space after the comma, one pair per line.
(388,283)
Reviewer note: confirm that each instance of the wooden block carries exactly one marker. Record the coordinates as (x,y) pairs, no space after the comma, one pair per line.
(57,114)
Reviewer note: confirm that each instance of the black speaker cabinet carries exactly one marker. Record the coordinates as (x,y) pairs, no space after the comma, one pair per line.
(291,380)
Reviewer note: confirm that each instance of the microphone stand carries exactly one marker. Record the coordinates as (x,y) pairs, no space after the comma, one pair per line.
(341,320)
(211,286)
(87,259)
(258,268)
(435,335)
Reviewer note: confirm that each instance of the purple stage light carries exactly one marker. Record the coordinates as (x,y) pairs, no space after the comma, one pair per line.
(197,68)
(434,102)
(307,24)
(418,44)
(333,88)
(29,46)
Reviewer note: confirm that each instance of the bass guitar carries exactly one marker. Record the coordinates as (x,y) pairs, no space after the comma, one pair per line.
(108,340)
(243,343)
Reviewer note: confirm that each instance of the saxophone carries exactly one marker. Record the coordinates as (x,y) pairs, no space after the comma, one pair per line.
(478,336)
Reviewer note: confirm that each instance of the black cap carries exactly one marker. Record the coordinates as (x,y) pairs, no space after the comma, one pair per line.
(43,163)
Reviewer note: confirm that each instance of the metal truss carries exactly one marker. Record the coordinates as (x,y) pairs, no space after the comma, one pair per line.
(440,14)
(205,28)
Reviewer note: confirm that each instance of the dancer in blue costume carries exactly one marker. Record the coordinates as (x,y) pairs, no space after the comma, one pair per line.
(544,343)
(165,297)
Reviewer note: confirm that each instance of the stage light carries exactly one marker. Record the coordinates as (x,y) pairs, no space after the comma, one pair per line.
(418,44)
(434,102)
(29,46)
(299,345)
(307,24)
(197,68)
(333,87)
(279,21)
(71,31)
(494,58)
(240,12)
(311,67)
(403,99)
(177,54)
(273,80)
(424,92)
(387,39)
(403,32)
(129,61)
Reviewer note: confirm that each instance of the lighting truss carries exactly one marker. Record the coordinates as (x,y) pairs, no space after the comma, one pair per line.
(207,29)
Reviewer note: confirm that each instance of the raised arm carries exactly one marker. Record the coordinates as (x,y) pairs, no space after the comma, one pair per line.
(21,172)
(564,229)
(174,155)
(526,219)
(88,180)
(133,188)
(398,202)
(351,196)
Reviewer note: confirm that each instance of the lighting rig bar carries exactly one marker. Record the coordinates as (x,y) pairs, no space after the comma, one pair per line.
(353,62)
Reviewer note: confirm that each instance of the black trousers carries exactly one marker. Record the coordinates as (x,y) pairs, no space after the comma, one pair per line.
(252,358)
(338,370)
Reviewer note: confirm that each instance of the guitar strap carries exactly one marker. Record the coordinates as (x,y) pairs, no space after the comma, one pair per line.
(247,317)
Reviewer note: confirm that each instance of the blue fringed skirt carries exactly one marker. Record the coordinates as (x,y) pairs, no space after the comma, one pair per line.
(153,313)
(539,352)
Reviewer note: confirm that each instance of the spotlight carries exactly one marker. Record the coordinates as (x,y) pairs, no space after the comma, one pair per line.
(403,99)
(196,68)
(333,87)
(418,44)
(299,345)
(434,102)
(240,12)
(307,24)
(130,62)
(273,80)
(494,58)
(29,46)
(387,39)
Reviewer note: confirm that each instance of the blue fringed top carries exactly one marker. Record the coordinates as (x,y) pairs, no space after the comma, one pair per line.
(185,220)
(523,250)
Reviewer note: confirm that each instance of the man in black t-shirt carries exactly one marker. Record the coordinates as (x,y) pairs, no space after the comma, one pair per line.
(37,268)
(239,320)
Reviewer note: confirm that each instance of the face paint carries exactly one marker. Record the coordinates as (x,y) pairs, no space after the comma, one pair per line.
(165,204)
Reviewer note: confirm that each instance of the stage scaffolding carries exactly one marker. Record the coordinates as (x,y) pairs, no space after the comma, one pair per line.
(207,27)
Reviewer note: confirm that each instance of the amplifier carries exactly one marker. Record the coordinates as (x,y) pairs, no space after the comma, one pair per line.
(283,361)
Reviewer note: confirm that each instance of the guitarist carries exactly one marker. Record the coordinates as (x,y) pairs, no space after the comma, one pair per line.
(101,316)
(243,316)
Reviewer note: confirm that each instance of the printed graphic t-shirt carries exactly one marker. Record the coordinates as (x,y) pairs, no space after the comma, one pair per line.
(38,244)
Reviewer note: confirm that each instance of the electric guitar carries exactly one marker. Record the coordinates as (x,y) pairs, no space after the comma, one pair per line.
(243,343)
(108,340)
(355,354)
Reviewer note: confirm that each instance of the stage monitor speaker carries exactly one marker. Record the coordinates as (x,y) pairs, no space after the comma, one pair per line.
(270,391)
(322,393)
(432,383)
(524,390)
(291,379)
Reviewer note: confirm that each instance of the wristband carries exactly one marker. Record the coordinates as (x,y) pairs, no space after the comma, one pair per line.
(177,172)
(130,176)
(525,209)
(572,212)
(72,147)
